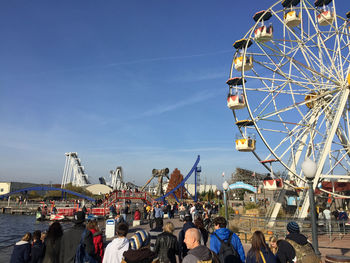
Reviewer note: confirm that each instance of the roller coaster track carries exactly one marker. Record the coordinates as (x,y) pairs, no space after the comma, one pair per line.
(182,184)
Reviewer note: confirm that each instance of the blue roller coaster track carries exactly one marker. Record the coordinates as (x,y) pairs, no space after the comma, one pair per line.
(195,170)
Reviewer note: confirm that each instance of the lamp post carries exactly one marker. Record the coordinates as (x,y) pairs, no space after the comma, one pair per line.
(218,194)
(309,170)
(225,187)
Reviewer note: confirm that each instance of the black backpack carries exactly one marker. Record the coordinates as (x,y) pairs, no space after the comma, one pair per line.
(228,253)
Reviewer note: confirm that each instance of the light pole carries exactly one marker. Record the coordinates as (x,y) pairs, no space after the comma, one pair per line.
(218,194)
(225,186)
(309,170)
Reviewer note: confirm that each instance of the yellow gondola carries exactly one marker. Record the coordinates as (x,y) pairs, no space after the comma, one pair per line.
(239,61)
(235,99)
(291,18)
(245,142)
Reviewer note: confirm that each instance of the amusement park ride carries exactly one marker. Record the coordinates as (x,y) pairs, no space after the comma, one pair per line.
(289,83)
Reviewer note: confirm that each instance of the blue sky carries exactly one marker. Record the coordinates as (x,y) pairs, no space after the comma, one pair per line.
(137,84)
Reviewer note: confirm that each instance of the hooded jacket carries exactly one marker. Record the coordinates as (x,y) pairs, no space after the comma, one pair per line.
(268,255)
(21,252)
(98,243)
(70,241)
(223,234)
(114,251)
(198,253)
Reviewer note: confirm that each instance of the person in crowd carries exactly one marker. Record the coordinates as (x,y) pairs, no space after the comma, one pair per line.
(37,253)
(273,245)
(139,251)
(182,211)
(22,249)
(145,213)
(187,225)
(158,215)
(97,239)
(72,237)
(295,240)
(112,211)
(343,218)
(168,210)
(224,234)
(327,217)
(151,217)
(260,252)
(116,248)
(197,252)
(198,222)
(53,243)
(166,246)
(137,215)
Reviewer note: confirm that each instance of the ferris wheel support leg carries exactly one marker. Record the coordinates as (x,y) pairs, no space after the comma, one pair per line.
(276,208)
(326,149)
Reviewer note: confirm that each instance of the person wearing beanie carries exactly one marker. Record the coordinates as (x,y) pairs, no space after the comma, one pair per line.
(139,250)
(71,239)
(289,250)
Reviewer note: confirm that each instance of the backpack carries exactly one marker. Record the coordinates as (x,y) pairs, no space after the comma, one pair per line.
(81,256)
(227,253)
(304,253)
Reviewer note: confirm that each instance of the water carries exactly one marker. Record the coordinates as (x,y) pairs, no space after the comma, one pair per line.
(13,228)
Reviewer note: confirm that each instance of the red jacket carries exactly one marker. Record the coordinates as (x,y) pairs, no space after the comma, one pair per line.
(137,215)
(98,242)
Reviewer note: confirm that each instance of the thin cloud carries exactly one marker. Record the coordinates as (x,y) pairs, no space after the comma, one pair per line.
(115,64)
(160,109)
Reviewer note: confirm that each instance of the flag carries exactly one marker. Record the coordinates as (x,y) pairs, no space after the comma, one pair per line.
(253,174)
(223,174)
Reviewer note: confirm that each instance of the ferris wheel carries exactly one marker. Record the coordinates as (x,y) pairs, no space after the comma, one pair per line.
(289,83)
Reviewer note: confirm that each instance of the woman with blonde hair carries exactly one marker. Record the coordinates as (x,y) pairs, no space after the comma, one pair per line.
(260,252)
(166,246)
(273,245)
(22,249)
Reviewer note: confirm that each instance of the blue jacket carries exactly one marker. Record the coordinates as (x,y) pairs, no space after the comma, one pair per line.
(21,252)
(158,212)
(268,255)
(223,234)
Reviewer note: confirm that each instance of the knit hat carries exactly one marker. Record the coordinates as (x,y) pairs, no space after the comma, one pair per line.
(293,227)
(140,239)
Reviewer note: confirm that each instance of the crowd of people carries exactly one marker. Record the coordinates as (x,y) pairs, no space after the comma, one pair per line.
(84,241)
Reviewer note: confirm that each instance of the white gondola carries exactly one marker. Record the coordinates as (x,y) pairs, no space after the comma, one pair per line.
(235,99)
(263,33)
(325,18)
(292,19)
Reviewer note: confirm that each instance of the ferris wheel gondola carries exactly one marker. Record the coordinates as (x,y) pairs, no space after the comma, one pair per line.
(299,104)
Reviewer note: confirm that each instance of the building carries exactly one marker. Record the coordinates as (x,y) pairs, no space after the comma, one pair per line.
(201,188)
(7,187)
(99,189)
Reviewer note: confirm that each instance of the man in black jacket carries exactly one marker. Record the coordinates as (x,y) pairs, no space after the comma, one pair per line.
(188,224)
(71,239)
